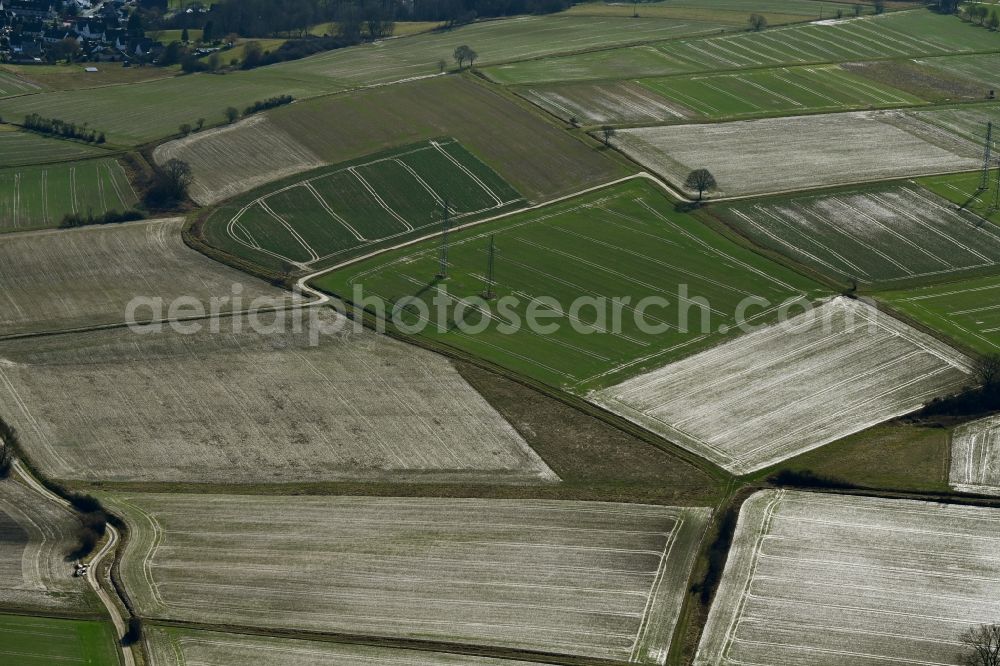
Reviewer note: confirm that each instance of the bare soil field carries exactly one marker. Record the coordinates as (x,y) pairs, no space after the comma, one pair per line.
(237,158)
(35,537)
(63,279)
(838,580)
(239,406)
(591,579)
(791,387)
(872,236)
(206,648)
(799,152)
(975,457)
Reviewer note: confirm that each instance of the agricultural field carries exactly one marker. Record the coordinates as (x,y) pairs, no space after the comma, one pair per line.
(873,237)
(35,78)
(65,279)
(11,84)
(171,646)
(730,95)
(916,78)
(733,12)
(965,311)
(615,102)
(975,457)
(275,398)
(832,580)
(598,580)
(903,34)
(40,196)
(967,121)
(982,68)
(145,112)
(543,162)
(519,38)
(42,641)
(784,389)
(774,91)
(334,214)
(800,151)
(133,114)
(35,538)
(963,190)
(263,152)
(550,258)
(26,148)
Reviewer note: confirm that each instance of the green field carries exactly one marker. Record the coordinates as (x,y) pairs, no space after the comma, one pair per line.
(41,641)
(24,148)
(39,196)
(734,12)
(786,90)
(872,236)
(982,68)
(963,189)
(905,34)
(11,84)
(966,311)
(733,95)
(331,214)
(623,241)
(34,78)
(155,109)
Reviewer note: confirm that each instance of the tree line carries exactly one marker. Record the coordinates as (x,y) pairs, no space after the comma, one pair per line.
(63,129)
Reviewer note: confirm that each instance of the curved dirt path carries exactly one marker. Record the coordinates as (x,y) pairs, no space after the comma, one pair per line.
(128,659)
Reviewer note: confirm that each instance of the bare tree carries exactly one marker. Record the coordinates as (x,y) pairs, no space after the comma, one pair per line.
(757,22)
(607,133)
(701,180)
(987,372)
(981,646)
(169,184)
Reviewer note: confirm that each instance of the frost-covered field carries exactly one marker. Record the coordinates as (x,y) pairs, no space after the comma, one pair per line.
(62,279)
(831,580)
(583,578)
(778,154)
(237,158)
(790,387)
(253,407)
(608,102)
(203,648)
(975,457)
(872,236)
(35,536)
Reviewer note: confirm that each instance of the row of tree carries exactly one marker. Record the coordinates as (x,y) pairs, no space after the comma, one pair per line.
(63,129)
(982,15)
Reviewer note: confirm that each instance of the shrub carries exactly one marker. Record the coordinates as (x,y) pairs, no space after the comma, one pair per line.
(72,220)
